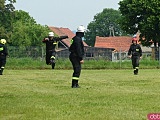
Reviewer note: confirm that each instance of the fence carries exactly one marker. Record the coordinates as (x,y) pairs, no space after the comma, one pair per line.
(90,53)
(33,51)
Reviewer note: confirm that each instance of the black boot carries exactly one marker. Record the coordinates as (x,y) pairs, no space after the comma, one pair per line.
(1,71)
(136,71)
(73,83)
(77,85)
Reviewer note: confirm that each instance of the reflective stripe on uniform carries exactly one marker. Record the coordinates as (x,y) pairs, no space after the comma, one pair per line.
(75,78)
(137,67)
(71,41)
(54,43)
(2,67)
(53,57)
(1,48)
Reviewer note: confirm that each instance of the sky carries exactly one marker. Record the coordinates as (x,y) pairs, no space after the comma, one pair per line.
(65,13)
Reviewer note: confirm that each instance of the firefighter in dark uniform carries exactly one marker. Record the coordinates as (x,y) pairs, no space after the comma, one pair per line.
(76,55)
(51,43)
(3,55)
(135,53)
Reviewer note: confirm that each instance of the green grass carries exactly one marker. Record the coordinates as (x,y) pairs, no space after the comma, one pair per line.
(104,95)
(30,63)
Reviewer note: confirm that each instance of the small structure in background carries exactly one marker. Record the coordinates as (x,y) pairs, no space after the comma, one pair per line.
(120,44)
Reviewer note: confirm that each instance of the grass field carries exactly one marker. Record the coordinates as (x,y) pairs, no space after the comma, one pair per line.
(104,95)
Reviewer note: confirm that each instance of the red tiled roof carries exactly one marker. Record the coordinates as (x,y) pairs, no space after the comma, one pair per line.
(121,43)
(64,31)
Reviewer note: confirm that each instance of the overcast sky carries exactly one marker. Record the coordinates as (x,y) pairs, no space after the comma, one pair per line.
(65,13)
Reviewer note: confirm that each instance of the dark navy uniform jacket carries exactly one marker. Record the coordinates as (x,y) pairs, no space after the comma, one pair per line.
(3,50)
(135,50)
(77,47)
(51,44)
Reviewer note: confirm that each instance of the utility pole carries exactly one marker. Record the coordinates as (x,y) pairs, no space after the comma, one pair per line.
(111,30)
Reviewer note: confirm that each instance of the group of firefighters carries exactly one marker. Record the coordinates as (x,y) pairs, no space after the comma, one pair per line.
(76,53)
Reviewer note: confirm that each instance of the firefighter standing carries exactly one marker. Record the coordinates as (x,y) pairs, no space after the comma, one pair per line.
(51,43)
(135,53)
(76,55)
(3,54)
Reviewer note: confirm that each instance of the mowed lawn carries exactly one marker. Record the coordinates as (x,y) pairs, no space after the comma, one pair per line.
(104,95)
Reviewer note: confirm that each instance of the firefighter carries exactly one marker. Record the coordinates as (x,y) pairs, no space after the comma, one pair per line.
(51,43)
(3,55)
(135,53)
(76,55)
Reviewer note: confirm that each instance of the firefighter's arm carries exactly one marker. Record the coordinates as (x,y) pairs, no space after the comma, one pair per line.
(45,40)
(5,51)
(140,50)
(129,53)
(63,37)
(60,38)
(79,50)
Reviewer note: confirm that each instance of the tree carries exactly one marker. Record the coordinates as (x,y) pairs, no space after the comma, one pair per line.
(26,32)
(142,15)
(6,15)
(104,24)
(18,27)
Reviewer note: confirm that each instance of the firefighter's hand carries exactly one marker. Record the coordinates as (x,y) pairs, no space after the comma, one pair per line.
(129,56)
(46,39)
(82,61)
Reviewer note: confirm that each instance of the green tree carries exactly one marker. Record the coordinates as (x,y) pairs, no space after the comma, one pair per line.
(26,32)
(142,15)
(37,33)
(104,24)
(6,17)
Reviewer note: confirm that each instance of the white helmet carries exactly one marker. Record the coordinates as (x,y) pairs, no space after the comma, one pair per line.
(3,41)
(81,28)
(50,34)
(134,36)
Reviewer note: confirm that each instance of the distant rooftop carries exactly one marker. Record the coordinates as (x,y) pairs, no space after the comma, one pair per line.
(64,31)
(119,43)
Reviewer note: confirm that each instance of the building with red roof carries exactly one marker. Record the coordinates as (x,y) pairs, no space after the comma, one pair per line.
(119,43)
(64,31)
